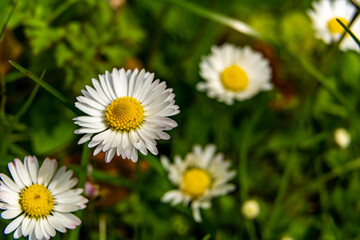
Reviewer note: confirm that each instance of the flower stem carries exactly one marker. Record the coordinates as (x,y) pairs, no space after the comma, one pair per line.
(47,87)
(74,235)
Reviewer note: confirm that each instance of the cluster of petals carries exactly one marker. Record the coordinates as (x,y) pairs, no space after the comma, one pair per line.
(60,185)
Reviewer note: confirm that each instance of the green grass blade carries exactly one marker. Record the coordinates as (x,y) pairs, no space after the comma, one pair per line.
(48,88)
(349,32)
(155,163)
(28,102)
(74,235)
(216,17)
(5,19)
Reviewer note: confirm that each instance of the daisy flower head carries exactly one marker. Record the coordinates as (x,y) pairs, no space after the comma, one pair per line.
(201,176)
(39,200)
(125,112)
(323,17)
(233,73)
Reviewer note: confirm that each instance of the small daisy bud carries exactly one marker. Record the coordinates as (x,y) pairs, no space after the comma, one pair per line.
(250,209)
(342,137)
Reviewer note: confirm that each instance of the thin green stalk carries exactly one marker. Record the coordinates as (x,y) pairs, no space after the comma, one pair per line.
(102,227)
(326,83)
(313,185)
(48,88)
(74,235)
(154,162)
(58,11)
(216,17)
(251,230)
(30,99)
(5,23)
(244,148)
(349,32)
(280,194)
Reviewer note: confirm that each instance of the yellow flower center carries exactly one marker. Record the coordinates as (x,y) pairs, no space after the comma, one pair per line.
(234,78)
(36,201)
(124,114)
(335,27)
(195,181)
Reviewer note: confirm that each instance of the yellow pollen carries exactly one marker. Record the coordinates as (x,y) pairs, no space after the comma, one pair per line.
(36,201)
(195,182)
(124,114)
(234,78)
(335,27)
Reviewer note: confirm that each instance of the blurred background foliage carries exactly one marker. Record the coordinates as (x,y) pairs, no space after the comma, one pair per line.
(280,142)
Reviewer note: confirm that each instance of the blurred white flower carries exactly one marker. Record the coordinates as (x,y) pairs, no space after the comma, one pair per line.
(233,73)
(127,112)
(250,209)
(199,178)
(328,29)
(40,200)
(342,137)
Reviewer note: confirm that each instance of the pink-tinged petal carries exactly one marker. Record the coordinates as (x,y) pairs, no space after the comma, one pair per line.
(57,224)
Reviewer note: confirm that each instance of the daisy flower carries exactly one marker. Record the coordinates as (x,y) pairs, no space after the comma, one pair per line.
(199,178)
(233,73)
(126,112)
(40,200)
(326,27)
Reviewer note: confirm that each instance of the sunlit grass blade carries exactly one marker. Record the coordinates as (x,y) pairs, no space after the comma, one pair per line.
(349,32)
(4,4)
(47,87)
(216,17)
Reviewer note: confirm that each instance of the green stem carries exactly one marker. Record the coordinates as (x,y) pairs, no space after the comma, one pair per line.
(216,17)
(58,11)
(30,99)
(154,162)
(251,230)
(280,195)
(244,148)
(313,185)
(2,30)
(74,235)
(102,227)
(48,88)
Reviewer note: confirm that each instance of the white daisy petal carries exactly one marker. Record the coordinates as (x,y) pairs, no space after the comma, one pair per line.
(233,73)
(22,171)
(323,17)
(199,178)
(14,224)
(126,113)
(39,202)
(18,233)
